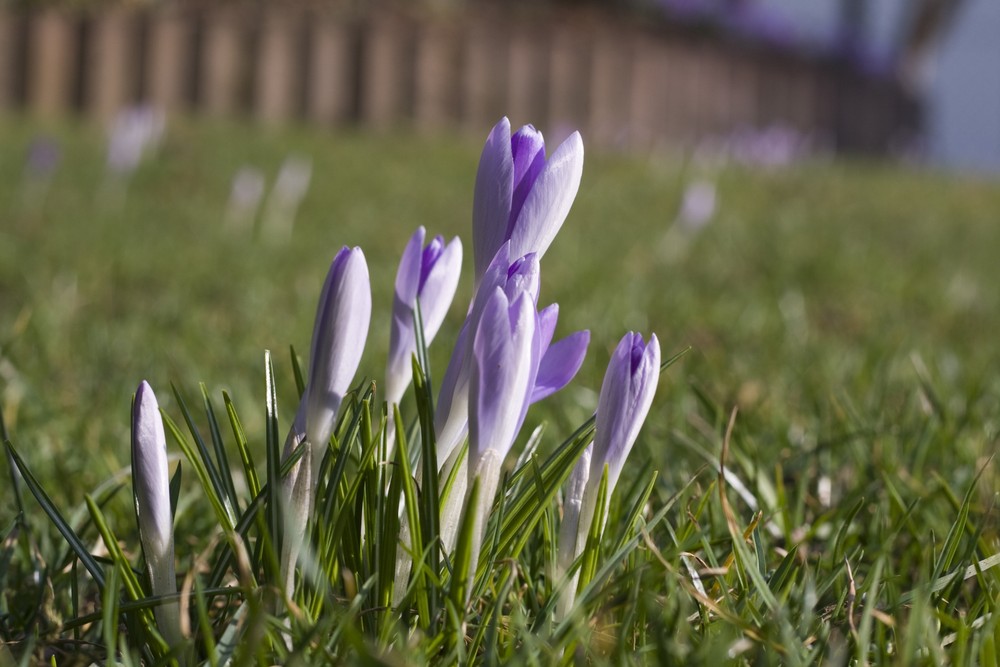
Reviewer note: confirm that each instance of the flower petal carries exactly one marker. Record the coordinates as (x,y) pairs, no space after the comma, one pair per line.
(439,288)
(492,200)
(547,205)
(501,373)
(528,149)
(150,476)
(560,364)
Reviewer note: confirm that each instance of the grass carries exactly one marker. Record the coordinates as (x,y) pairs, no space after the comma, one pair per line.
(848,312)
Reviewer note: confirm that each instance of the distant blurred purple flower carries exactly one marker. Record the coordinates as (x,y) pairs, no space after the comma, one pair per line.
(135,132)
(44,156)
(697,206)
(290,188)
(245,196)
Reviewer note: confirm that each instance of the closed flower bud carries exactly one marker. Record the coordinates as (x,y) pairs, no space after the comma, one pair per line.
(151,485)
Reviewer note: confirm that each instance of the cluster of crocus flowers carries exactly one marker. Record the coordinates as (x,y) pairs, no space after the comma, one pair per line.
(503,360)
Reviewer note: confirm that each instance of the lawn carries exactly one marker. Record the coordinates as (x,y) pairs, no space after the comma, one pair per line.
(847,311)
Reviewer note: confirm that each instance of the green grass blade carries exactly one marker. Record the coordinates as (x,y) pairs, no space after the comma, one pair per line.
(68,534)
(246,457)
(221,458)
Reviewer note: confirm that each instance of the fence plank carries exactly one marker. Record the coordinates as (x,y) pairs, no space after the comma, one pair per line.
(332,70)
(569,79)
(387,70)
(169,65)
(278,67)
(649,96)
(484,76)
(224,55)
(436,86)
(8,59)
(112,59)
(610,88)
(528,77)
(52,63)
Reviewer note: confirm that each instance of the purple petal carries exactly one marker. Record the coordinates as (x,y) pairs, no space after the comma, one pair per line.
(438,286)
(492,200)
(410,268)
(523,277)
(528,149)
(501,374)
(547,205)
(430,257)
(547,319)
(339,335)
(560,364)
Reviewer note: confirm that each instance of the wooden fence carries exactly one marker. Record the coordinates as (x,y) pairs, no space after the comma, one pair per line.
(625,82)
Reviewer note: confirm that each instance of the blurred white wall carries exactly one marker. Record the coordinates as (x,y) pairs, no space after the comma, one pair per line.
(964,101)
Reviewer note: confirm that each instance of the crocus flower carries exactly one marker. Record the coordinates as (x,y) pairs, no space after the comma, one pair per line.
(289,190)
(151,484)
(341,328)
(626,395)
(504,365)
(135,132)
(245,196)
(697,205)
(521,196)
(43,158)
(428,274)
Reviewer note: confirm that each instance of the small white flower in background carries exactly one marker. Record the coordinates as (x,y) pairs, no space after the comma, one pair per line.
(244,198)
(290,188)
(697,205)
(136,133)
(151,484)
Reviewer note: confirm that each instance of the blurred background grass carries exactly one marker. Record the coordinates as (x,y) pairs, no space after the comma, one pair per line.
(851,310)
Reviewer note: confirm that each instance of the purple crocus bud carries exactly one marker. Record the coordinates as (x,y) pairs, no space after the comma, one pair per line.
(626,395)
(342,318)
(151,484)
(429,273)
(513,279)
(520,196)
(503,369)
(503,373)
(339,333)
